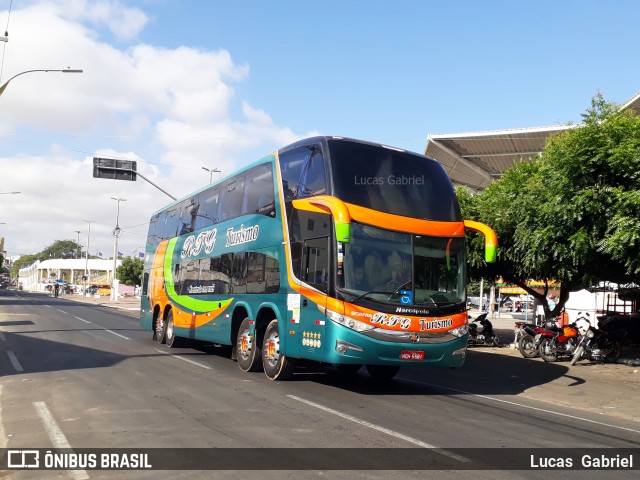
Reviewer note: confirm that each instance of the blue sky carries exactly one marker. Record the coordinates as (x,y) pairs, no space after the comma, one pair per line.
(396,71)
(178,85)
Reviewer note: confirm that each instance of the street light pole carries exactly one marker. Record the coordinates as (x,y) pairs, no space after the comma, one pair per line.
(66,70)
(86,259)
(78,244)
(116,233)
(211,172)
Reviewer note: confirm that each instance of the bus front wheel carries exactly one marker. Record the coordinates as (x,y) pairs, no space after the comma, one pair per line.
(276,366)
(247,349)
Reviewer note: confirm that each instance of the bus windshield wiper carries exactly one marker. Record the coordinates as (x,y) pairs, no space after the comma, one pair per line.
(372,291)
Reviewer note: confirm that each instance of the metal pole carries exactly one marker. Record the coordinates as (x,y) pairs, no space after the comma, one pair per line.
(78,244)
(86,260)
(67,70)
(116,233)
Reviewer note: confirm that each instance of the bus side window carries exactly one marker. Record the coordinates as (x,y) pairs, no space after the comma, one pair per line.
(313,179)
(258,194)
(239,284)
(188,214)
(316,263)
(255,275)
(155,229)
(291,166)
(206,214)
(231,199)
(145,284)
(172,223)
(272,275)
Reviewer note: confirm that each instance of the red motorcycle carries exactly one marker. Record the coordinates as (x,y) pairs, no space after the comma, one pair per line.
(557,341)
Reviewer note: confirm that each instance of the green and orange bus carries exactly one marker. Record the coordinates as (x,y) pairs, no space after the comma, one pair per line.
(331,250)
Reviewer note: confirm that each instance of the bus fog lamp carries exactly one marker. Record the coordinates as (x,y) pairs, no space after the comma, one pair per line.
(462,352)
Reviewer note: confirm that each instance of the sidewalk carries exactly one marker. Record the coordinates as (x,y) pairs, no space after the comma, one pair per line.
(129,303)
(604,388)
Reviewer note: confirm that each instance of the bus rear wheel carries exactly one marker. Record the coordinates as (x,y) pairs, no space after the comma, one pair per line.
(247,349)
(170,334)
(382,372)
(276,366)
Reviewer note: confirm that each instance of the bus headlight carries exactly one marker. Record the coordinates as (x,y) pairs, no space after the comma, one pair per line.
(460,331)
(348,322)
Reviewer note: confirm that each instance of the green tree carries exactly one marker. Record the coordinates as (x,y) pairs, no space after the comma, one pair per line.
(58,249)
(23,261)
(130,271)
(572,214)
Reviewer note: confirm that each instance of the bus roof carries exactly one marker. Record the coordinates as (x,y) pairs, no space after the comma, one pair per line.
(269,157)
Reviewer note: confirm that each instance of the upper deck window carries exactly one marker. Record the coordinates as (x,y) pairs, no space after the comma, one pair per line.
(392,181)
(303,172)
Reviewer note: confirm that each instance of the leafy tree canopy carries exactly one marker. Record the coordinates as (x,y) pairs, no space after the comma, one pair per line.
(58,249)
(573,213)
(130,271)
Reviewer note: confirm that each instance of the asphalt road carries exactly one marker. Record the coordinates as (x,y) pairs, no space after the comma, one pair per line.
(80,376)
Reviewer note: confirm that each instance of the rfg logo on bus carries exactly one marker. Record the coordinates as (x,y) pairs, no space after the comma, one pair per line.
(21,459)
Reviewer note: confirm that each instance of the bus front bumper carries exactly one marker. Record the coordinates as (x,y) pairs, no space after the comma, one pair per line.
(350,347)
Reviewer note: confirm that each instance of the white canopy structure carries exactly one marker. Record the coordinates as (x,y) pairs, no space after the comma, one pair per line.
(38,274)
(475,159)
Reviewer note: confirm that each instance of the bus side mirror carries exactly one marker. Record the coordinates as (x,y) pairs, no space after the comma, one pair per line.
(333,206)
(490,239)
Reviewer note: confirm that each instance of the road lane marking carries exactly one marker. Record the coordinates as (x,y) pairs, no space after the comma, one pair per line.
(3,437)
(14,361)
(379,428)
(508,402)
(185,359)
(105,329)
(56,435)
(116,334)
(61,311)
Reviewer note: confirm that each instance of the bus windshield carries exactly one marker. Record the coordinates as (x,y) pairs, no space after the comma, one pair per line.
(404,269)
(392,181)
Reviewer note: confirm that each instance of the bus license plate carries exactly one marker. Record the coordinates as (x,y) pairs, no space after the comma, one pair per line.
(412,355)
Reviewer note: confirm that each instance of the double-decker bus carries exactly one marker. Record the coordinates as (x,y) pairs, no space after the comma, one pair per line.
(331,249)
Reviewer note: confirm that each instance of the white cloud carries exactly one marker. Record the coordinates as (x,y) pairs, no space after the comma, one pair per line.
(168,109)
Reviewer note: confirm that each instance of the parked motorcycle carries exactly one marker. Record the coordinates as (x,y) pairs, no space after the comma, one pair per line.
(525,334)
(557,341)
(485,337)
(599,345)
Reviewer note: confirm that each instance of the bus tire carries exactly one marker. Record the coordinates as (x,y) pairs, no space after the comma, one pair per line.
(247,349)
(382,373)
(170,335)
(159,329)
(275,365)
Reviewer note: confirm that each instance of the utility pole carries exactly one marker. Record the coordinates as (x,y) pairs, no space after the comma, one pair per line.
(116,233)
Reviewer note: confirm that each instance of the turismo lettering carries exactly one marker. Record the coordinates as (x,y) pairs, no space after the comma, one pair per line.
(435,324)
(243,235)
